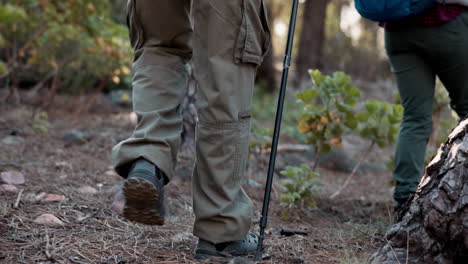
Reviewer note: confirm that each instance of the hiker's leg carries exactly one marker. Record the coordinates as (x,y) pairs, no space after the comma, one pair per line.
(416,82)
(229,42)
(160,33)
(451,61)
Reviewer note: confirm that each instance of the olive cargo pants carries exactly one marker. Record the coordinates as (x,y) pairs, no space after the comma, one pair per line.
(230,38)
(418,54)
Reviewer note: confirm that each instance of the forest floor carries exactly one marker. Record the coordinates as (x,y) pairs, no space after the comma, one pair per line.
(345,230)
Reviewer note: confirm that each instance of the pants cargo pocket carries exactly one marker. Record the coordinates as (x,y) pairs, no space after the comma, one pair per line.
(134,25)
(222,148)
(254,37)
(243,147)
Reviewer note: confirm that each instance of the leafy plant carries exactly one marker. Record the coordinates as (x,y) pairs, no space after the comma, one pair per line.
(298,190)
(329,111)
(40,122)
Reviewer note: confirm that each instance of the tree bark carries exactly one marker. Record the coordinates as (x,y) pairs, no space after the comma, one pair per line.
(266,72)
(433,227)
(312,38)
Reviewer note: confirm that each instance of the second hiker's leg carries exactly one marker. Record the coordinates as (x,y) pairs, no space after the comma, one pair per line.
(416,81)
(451,61)
(230,40)
(160,32)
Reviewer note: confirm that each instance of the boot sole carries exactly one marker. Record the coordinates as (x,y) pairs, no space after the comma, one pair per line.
(141,199)
(201,254)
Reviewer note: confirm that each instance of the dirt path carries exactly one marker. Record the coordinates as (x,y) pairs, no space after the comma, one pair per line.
(345,230)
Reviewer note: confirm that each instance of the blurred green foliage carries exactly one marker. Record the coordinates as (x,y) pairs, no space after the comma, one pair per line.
(330,112)
(75,40)
(264,110)
(380,122)
(9,15)
(260,138)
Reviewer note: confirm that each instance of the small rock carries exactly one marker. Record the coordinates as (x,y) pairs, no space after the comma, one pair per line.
(118,203)
(62,164)
(87,190)
(133,118)
(118,207)
(52,198)
(182,237)
(59,151)
(240,261)
(111,173)
(12,177)
(12,140)
(116,188)
(39,197)
(48,220)
(297,260)
(8,188)
(76,137)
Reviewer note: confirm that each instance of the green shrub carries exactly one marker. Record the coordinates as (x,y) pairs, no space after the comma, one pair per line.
(298,190)
(330,113)
(329,110)
(73,40)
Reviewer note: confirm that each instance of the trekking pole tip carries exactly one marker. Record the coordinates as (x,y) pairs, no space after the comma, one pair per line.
(258,255)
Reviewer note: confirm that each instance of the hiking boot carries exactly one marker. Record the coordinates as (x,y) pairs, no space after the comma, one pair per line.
(399,209)
(144,194)
(398,204)
(244,247)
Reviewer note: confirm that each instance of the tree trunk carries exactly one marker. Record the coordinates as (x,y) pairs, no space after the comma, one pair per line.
(312,38)
(433,228)
(266,72)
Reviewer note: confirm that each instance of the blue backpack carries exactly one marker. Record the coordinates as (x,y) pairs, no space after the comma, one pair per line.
(389,10)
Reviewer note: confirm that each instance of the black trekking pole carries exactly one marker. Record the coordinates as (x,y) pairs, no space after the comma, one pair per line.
(276,133)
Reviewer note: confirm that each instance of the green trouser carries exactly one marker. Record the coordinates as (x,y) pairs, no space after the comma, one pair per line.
(229,39)
(418,54)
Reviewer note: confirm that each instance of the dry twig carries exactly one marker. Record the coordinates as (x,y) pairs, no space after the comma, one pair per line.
(18,199)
